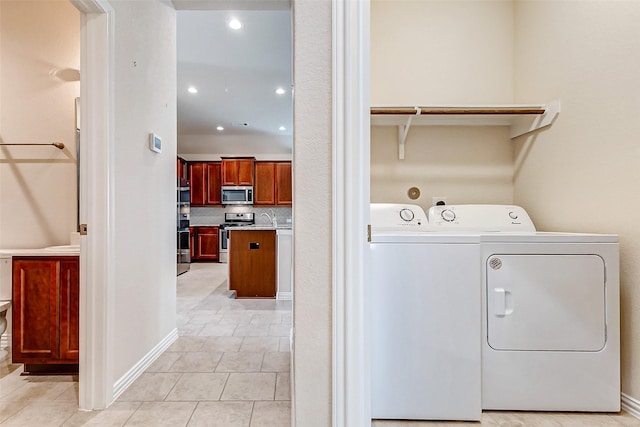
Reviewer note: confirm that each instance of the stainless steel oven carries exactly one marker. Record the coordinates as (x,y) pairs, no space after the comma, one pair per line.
(233,219)
(183,250)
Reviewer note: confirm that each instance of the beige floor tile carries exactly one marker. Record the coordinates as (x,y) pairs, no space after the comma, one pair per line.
(70,394)
(276,362)
(9,408)
(252,331)
(222,414)
(164,362)
(271,414)
(115,415)
(236,318)
(283,386)
(213,330)
(156,414)
(250,386)
(205,318)
(260,344)
(198,386)
(187,344)
(240,362)
(222,344)
(42,413)
(583,420)
(38,390)
(150,387)
(281,330)
(626,419)
(190,330)
(285,344)
(196,361)
(266,318)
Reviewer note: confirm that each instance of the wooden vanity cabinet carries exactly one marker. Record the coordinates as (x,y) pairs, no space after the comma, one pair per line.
(45,310)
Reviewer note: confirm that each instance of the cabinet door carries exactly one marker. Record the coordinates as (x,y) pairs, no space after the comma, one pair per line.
(252,263)
(197,175)
(192,245)
(245,171)
(283,184)
(69,311)
(179,166)
(229,172)
(214,194)
(208,243)
(35,310)
(264,188)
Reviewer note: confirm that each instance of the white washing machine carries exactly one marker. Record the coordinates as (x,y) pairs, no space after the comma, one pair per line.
(425,318)
(550,316)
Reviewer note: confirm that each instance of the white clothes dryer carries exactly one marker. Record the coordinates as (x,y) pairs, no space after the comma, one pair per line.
(550,316)
(425,318)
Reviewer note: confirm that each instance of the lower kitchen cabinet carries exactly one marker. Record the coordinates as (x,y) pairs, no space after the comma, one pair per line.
(45,311)
(252,263)
(204,245)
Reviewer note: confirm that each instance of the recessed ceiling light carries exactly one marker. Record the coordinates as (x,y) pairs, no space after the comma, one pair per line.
(280,91)
(192,89)
(282,128)
(234,24)
(220,128)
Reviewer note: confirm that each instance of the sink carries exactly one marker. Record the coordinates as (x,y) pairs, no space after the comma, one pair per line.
(63,248)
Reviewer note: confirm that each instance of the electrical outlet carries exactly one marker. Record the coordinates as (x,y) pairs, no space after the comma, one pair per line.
(438,200)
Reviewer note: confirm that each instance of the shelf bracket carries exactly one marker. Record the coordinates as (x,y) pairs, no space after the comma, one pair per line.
(403,130)
(523,125)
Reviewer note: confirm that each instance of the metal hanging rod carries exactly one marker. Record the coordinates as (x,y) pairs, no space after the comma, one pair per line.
(59,145)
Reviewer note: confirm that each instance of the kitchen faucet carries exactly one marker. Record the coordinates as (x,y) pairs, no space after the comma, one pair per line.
(272,217)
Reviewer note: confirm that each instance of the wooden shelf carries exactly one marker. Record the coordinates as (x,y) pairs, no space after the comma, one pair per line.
(521,119)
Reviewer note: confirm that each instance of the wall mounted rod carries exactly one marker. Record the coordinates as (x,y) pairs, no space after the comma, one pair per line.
(59,145)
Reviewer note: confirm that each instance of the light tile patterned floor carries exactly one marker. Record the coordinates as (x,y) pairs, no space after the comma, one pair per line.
(230,367)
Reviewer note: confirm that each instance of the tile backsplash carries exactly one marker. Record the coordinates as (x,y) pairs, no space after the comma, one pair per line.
(201,216)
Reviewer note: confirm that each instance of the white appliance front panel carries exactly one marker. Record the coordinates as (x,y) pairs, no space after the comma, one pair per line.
(547,302)
(425,331)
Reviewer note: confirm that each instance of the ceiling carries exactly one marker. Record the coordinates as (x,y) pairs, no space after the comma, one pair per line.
(236,72)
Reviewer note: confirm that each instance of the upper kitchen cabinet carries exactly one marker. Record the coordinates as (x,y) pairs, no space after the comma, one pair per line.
(204,179)
(181,168)
(237,171)
(272,184)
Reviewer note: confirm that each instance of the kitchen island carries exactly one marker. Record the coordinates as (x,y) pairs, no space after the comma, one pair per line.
(260,262)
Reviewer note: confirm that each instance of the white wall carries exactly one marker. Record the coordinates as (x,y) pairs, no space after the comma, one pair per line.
(145,238)
(433,53)
(312,213)
(38,184)
(582,173)
(247,145)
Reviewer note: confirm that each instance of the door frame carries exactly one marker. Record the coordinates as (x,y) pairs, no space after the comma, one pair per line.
(351,198)
(97,171)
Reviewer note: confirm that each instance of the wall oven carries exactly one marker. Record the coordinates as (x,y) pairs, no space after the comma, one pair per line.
(183,250)
(241,195)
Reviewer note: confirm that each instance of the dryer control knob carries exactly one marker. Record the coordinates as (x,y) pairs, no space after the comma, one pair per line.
(407,215)
(448,215)
(513,215)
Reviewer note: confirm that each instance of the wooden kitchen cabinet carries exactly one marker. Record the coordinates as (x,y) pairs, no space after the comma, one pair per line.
(252,263)
(237,171)
(204,243)
(45,311)
(181,168)
(204,178)
(272,184)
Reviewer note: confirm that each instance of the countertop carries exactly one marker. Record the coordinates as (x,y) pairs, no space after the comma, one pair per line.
(65,250)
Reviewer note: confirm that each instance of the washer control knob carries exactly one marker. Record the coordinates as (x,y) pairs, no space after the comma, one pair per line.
(448,215)
(407,215)
(513,215)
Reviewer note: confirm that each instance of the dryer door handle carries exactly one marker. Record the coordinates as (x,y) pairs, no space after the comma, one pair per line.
(502,302)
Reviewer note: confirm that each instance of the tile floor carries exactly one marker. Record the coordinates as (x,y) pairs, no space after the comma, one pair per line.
(229,367)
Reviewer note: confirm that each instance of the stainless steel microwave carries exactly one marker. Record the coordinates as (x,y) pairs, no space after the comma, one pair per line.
(237,195)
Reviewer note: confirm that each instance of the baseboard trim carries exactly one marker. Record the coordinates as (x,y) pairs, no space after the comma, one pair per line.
(630,405)
(288,296)
(127,379)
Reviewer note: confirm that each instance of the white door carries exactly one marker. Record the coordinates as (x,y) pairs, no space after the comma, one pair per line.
(545,302)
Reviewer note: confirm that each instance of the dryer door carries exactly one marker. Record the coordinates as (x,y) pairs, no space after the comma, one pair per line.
(545,302)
